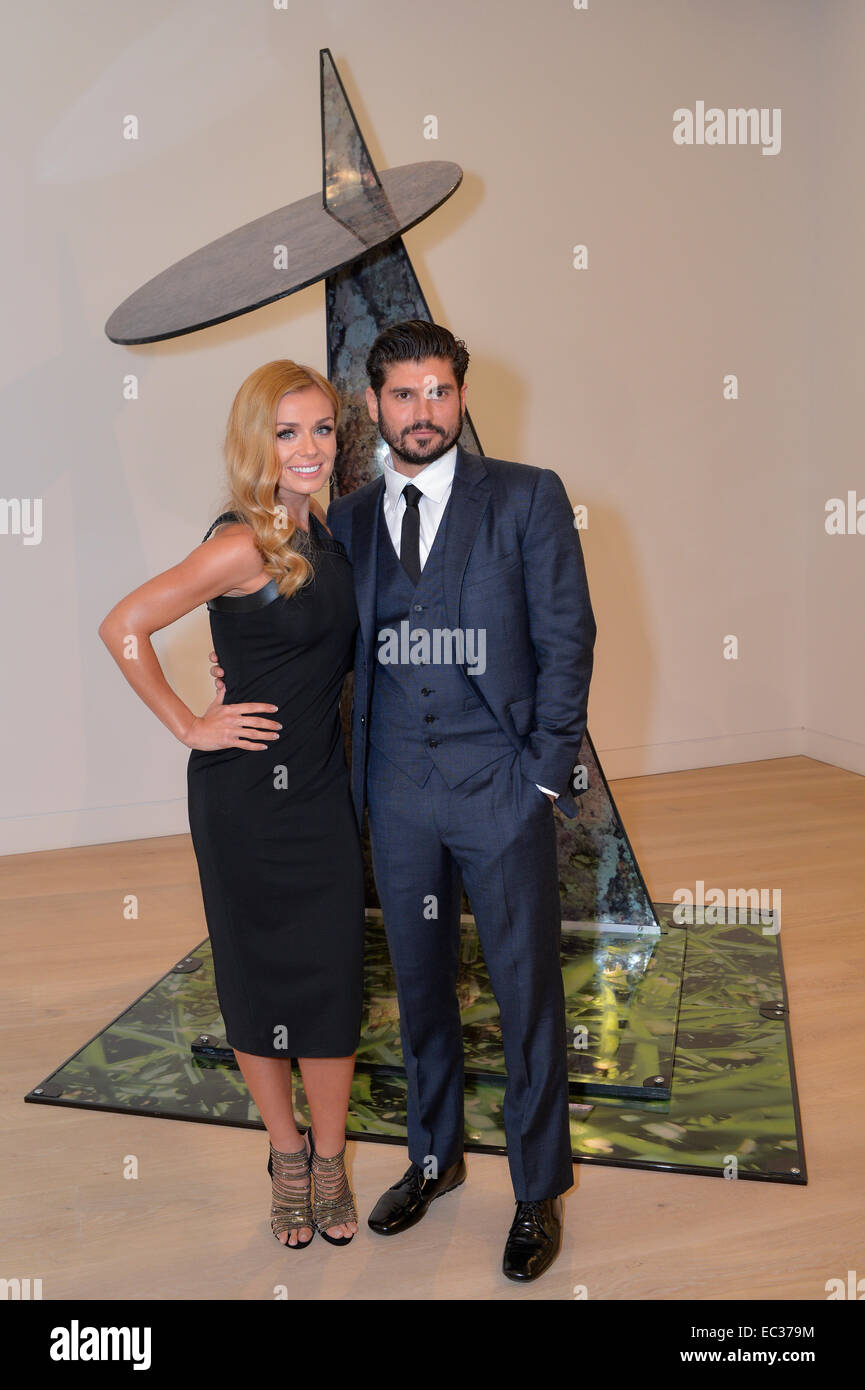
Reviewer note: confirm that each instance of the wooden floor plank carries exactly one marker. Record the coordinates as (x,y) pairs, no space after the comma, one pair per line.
(195,1222)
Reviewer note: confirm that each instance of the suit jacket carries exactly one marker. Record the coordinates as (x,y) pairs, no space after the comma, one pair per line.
(513,565)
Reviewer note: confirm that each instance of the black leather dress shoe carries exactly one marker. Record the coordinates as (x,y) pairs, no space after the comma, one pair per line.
(407,1201)
(534,1240)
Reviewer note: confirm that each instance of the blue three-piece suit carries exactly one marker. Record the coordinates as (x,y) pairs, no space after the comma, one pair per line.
(448,757)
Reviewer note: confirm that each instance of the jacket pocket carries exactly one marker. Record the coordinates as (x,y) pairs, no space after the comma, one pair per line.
(522,713)
(493,568)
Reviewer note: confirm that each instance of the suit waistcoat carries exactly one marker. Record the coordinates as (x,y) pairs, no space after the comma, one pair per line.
(424,712)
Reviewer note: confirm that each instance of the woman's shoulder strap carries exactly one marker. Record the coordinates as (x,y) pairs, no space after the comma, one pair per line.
(220,520)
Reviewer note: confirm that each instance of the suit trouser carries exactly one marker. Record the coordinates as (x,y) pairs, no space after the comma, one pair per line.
(496,833)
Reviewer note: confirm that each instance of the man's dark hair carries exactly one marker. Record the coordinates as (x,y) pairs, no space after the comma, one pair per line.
(414,340)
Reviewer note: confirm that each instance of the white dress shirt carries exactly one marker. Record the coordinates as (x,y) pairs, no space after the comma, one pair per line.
(435,481)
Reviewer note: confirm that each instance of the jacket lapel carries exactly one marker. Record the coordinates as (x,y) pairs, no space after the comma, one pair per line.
(364,558)
(469,499)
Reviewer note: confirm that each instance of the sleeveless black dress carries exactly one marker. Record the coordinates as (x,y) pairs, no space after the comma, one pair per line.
(274,830)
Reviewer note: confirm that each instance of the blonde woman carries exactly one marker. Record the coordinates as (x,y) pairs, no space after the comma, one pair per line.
(272,823)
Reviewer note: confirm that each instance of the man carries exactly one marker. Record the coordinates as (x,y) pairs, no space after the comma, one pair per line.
(472,671)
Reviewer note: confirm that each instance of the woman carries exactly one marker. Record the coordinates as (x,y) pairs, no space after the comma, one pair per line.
(273,827)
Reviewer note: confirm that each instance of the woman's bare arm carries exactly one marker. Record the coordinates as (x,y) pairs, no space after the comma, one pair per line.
(225,562)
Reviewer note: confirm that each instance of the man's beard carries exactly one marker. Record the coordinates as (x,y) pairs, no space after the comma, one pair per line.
(401,445)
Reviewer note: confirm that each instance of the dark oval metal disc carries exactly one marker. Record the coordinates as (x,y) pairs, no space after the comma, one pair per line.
(236,273)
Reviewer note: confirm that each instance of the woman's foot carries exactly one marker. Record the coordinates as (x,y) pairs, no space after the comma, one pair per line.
(290,1203)
(333,1201)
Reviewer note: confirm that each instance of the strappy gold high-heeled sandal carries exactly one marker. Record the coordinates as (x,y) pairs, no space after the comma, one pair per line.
(333,1199)
(290,1208)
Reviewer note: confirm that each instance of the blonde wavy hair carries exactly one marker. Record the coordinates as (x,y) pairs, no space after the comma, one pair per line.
(253,468)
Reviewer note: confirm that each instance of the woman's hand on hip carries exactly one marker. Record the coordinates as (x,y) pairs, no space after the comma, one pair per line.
(232,726)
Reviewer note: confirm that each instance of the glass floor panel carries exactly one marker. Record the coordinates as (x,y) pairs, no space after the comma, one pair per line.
(732,1107)
(621,997)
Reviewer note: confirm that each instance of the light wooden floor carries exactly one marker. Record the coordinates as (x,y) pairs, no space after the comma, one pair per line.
(194,1224)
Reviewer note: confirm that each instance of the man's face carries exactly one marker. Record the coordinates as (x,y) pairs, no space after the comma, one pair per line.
(419,412)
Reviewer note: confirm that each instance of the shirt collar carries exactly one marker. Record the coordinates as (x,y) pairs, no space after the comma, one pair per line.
(433,481)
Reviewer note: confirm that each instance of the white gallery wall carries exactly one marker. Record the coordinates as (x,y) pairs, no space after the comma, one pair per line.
(706,515)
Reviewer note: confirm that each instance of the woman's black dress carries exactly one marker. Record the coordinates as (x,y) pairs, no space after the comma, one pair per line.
(274,830)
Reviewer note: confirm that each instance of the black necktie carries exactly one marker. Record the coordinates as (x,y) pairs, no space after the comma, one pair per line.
(409,541)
